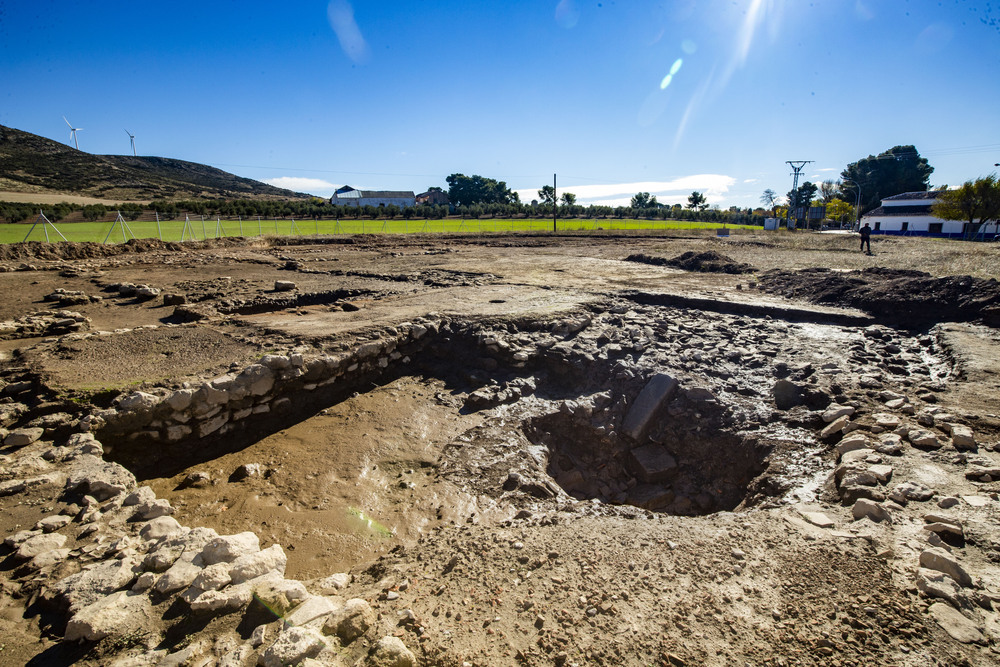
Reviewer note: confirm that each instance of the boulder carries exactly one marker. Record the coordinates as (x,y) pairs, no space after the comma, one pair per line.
(119,613)
(936,584)
(652,463)
(252,565)
(283,286)
(292,646)
(872,510)
(23,436)
(955,624)
(962,437)
(312,608)
(923,438)
(350,621)
(835,411)
(88,586)
(39,544)
(391,652)
(936,558)
(911,491)
(659,390)
(93,476)
(786,394)
(228,548)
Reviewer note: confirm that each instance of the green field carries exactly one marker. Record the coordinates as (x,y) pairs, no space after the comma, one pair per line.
(180,230)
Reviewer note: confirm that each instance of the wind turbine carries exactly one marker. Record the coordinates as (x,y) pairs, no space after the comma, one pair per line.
(72,133)
(132,139)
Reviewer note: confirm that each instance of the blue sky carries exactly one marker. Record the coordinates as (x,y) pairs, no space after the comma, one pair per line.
(397,95)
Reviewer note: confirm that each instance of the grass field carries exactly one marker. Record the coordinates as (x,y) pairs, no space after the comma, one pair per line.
(198,229)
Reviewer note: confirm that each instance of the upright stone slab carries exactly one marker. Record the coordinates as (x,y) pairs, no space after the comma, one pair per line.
(653,397)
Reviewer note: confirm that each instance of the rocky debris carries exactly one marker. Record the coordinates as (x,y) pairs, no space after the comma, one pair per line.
(67,298)
(174,299)
(44,323)
(283,285)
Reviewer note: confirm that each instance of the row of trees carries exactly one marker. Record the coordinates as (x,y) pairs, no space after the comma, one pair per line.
(250,210)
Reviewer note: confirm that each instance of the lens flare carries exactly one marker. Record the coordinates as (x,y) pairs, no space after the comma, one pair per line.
(676,67)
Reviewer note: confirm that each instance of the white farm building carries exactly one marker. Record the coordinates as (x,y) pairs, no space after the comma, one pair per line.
(909,214)
(348,196)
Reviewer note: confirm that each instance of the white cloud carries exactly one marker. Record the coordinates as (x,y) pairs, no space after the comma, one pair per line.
(713,186)
(313,186)
(340,13)
(750,180)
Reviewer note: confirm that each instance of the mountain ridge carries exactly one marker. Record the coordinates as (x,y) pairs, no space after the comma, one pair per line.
(33,164)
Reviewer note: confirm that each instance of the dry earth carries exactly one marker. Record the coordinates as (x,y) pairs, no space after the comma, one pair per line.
(518,450)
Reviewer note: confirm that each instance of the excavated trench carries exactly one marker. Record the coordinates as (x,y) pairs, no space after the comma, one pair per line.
(339,472)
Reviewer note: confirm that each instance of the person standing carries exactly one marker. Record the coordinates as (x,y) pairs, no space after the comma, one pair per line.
(866,238)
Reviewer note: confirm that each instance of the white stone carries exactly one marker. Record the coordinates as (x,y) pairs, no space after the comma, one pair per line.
(116,614)
(351,621)
(39,544)
(818,519)
(177,577)
(139,402)
(962,437)
(226,600)
(938,559)
(292,646)
(938,585)
(955,624)
(253,565)
(143,494)
(212,577)
(333,583)
(50,524)
(230,547)
(312,608)
(851,443)
(160,527)
(868,508)
(23,437)
(834,427)
(392,652)
(88,586)
(835,411)
(922,438)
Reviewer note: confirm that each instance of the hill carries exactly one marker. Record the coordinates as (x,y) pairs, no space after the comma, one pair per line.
(34,164)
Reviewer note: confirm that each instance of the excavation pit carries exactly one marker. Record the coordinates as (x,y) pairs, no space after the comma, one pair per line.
(688,466)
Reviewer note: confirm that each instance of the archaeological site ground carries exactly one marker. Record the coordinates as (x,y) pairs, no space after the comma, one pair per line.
(595,449)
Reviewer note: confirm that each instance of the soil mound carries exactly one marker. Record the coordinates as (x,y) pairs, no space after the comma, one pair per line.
(93,250)
(702,262)
(899,296)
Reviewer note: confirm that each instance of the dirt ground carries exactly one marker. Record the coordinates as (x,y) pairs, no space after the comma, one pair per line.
(504,529)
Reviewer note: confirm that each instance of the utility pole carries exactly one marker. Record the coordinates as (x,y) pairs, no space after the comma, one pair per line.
(555,203)
(796,166)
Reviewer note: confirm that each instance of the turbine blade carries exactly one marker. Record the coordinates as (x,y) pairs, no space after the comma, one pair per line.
(68,123)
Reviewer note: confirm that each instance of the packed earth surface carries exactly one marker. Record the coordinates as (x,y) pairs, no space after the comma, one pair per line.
(762,449)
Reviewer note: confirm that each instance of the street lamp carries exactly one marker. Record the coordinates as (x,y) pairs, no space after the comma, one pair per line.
(857,204)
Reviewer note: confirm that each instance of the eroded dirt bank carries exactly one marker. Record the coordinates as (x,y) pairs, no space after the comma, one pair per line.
(506,450)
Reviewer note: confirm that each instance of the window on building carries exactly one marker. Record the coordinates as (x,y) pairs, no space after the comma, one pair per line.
(935,228)
(905,227)
(878,226)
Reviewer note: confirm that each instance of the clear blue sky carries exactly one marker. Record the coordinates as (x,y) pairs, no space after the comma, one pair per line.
(397,95)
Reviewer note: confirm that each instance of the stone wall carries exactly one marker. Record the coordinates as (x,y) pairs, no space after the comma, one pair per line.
(245,398)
